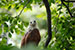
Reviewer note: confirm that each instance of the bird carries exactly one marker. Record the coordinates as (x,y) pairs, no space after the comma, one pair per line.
(32,35)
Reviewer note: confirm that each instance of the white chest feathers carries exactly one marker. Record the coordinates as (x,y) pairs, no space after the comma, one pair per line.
(30,28)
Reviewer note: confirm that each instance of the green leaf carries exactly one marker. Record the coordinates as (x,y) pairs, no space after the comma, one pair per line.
(21,26)
(71,4)
(22,33)
(11,30)
(5,25)
(26,24)
(51,1)
(9,7)
(14,21)
(9,35)
(17,31)
(17,7)
(4,40)
(5,29)
(0,30)
(3,2)
(9,44)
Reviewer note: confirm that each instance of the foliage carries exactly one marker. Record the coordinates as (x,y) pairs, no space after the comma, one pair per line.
(63,26)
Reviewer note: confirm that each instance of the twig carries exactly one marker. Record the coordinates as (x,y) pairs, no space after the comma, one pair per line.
(23,8)
(67,8)
(68,1)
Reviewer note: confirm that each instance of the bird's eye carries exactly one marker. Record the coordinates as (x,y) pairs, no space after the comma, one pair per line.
(34,21)
(30,22)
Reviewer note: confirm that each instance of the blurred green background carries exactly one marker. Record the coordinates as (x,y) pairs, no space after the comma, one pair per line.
(13,28)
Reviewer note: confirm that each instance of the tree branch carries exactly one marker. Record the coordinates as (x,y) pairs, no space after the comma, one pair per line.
(23,8)
(68,1)
(49,22)
(67,8)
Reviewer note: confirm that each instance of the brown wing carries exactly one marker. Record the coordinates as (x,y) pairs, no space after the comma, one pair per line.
(31,36)
(23,39)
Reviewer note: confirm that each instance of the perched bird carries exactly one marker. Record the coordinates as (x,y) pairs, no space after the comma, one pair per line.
(32,35)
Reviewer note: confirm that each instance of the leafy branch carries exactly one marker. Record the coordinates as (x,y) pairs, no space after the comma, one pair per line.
(23,8)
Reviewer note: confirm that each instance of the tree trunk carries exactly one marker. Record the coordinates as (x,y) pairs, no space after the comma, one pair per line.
(49,22)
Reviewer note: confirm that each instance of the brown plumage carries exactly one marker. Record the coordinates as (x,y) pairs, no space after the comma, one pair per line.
(32,36)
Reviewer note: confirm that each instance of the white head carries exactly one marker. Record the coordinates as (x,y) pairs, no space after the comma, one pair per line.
(32,23)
